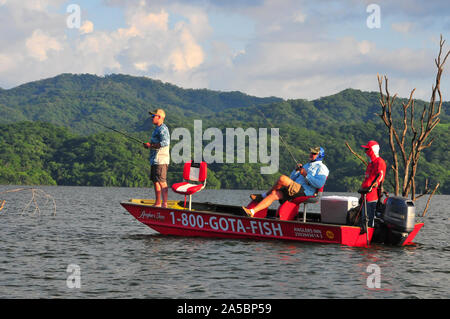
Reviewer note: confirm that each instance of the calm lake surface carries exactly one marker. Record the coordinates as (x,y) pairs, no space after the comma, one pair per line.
(118,257)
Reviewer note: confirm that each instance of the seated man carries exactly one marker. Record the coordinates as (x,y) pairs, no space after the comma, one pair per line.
(303,181)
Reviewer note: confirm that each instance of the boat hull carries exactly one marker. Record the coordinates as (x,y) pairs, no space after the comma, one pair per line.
(178,221)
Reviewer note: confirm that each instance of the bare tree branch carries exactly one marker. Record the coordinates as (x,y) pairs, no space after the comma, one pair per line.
(36,196)
(357,155)
(418,139)
(429,200)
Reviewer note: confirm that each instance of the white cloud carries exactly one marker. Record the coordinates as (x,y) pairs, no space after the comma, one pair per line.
(141,21)
(141,66)
(313,69)
(87,27)
(187,56)
(147,42)
(40,44)
(96,53)
(6,62)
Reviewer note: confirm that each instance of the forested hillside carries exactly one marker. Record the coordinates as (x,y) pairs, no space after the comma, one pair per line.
(119,100)
(47,136)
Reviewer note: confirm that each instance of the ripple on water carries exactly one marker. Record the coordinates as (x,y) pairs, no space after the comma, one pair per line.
(121,258)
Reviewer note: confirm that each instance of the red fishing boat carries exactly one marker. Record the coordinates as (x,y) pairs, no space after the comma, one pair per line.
(226,221)
(395,226)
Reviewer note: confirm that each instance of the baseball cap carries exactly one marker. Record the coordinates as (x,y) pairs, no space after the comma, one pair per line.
(370,144)
(159,112)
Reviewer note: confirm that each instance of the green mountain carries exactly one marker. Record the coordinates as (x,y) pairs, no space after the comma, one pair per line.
(47,136)
(119,100)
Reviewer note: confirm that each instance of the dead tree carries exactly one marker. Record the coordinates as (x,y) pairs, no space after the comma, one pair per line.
(408,141)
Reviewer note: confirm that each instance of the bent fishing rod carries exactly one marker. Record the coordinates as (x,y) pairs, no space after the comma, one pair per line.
(282,140)
(120,132)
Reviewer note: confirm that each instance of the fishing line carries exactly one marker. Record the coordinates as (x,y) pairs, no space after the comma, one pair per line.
(282,139)
(117,131)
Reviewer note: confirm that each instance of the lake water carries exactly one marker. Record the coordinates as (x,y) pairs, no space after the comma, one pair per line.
(118,257)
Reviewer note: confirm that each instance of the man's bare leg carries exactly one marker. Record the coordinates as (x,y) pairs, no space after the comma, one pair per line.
(165,193)
(283,181)
(274,193)
(157,193)
(268,200)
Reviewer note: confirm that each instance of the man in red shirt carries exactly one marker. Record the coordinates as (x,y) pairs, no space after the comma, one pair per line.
(375,170)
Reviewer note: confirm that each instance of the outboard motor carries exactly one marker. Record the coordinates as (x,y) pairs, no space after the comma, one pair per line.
(396,222)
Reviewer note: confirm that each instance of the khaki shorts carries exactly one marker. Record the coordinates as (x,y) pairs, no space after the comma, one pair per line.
(158,173)
(292,191)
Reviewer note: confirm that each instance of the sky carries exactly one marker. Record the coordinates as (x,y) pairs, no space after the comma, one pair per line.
(293,49)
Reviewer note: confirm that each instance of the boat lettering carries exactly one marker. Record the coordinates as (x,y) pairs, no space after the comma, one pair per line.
(225,224)
(150,215)
(190,220)
(264,228)
(307,232)
(228,224)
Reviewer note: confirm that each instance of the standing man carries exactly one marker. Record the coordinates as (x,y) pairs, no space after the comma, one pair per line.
(159,156)
(375,174)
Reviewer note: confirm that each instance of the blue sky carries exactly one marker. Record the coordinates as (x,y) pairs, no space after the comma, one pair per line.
(285,48)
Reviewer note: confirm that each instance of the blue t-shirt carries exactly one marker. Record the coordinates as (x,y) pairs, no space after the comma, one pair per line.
(160,135)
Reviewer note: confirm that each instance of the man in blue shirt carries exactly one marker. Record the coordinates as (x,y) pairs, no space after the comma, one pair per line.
(159,156)
(305,180)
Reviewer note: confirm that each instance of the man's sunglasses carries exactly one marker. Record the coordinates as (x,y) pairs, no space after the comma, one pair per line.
(153,115)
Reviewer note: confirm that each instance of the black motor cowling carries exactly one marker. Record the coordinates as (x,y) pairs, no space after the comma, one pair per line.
(395,221)
(400,214)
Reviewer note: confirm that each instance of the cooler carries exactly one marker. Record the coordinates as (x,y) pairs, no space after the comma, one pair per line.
(333,209)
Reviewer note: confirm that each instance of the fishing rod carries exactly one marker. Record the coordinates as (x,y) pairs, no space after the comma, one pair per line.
(124,134)
(364,192)
(282,140)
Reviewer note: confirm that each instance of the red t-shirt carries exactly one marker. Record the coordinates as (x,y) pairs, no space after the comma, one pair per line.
(372,170)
